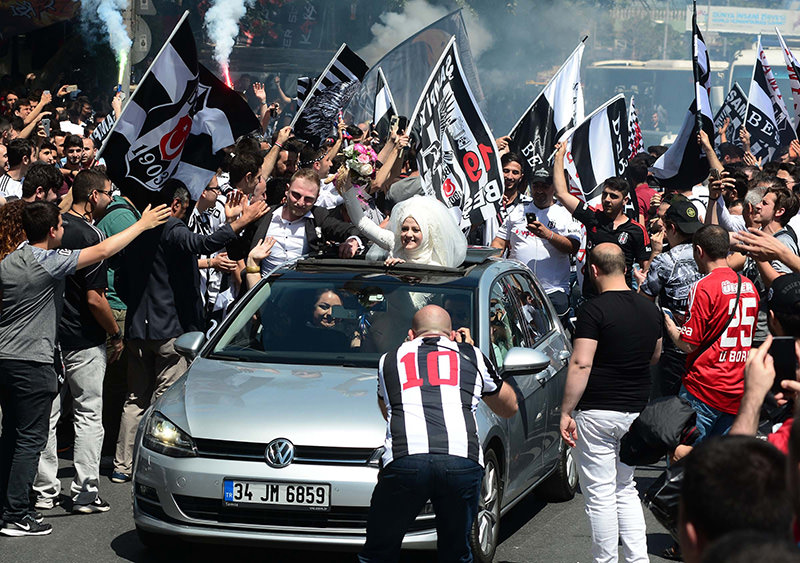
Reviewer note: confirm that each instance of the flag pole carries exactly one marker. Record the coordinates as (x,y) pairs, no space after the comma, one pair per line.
(698,119)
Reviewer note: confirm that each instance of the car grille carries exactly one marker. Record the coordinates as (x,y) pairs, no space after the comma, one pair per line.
(348,517)
(250,451)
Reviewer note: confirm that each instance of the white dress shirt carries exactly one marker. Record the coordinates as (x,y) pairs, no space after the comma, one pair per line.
(290,240)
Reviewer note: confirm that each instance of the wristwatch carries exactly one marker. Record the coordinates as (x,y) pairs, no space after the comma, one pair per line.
(116,337)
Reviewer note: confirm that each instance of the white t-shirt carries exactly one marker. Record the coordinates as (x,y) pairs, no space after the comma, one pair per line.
(550,265)
(9,187)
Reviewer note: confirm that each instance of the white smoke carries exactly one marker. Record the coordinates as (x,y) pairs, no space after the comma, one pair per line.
(222,25)
(107,13)
(395,27)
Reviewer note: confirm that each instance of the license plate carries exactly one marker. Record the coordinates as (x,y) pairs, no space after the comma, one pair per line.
(311,496)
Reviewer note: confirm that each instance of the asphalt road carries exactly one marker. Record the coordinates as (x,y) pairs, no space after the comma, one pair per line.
(531,532)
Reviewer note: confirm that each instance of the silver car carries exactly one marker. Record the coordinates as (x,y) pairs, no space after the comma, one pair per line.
(274,433)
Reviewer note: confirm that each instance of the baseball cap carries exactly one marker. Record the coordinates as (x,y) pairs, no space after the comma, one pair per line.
(683,214)
(784,294)
(542,175)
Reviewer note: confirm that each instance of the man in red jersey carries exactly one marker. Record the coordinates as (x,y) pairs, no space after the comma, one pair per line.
(717,334)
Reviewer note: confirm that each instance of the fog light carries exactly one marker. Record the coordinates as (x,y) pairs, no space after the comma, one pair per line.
(146,492)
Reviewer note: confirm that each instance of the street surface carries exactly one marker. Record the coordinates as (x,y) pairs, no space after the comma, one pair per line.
(532,532)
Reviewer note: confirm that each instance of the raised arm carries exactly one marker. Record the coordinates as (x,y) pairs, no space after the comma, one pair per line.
(150,219)
(568,200)
(382,237)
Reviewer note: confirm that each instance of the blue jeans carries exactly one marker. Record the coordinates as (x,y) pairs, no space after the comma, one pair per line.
(710,421)
(404,486)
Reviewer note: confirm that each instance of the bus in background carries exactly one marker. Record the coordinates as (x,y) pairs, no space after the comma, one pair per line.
(663,90)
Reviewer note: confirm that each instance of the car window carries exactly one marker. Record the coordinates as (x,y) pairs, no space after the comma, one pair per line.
(506,328)
(532,304)
(338,322)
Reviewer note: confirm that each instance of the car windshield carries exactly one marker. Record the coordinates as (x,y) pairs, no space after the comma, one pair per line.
(343,321)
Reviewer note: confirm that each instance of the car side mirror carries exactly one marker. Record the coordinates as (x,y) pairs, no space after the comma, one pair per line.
(524,361)
(189,344)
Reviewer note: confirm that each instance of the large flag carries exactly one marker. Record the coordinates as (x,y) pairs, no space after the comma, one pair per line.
(762,116)
(331,92)
(408,65)
(556,109)
(793,70)
(176,123)
(384,106)
(763,79)
(732,108)
(457,158)
(684,164)
(597,149)
(636,141)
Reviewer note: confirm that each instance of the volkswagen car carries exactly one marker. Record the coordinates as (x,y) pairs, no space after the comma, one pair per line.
(274,433)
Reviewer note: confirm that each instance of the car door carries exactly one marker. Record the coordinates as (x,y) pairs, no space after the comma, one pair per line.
(551,340)
(508,329)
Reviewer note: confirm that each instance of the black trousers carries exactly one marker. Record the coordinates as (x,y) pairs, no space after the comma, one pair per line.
(27,390)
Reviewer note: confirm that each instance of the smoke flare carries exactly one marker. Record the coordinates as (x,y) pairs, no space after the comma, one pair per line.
(107,13)
(222,25)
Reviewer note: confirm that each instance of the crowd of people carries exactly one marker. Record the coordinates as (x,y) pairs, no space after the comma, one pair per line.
(97,285)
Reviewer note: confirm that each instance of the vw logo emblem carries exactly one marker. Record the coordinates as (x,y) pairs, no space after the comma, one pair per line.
(279,453)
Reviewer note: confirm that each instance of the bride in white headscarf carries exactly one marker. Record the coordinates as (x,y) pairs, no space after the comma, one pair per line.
(421,231)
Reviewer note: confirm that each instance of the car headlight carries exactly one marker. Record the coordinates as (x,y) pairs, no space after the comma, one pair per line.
(164,437)
(375,458)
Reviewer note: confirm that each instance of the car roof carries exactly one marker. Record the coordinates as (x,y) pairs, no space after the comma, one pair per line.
(469,273)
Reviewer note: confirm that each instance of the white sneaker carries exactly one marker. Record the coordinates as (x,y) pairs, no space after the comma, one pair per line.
(47,503)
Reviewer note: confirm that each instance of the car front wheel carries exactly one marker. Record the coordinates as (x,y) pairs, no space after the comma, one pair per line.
(486,528)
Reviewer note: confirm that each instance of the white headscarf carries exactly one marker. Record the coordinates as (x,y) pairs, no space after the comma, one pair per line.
(443,243)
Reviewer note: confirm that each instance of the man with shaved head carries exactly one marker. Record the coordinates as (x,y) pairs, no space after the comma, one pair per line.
(428,390)
(617,338)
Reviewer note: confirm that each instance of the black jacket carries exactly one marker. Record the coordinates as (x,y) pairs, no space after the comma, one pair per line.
(323,227)
(160,282)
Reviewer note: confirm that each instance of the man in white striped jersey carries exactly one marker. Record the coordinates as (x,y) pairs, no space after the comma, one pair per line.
(428,390)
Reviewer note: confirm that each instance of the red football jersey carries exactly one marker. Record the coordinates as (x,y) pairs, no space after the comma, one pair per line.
(716,376)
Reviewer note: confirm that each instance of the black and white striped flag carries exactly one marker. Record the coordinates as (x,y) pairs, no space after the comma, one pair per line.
(684,164)
(598,149)
(384,106)
(634,131)
(330,93)
(175,124)
(556,109)
(793,71)
(304,84)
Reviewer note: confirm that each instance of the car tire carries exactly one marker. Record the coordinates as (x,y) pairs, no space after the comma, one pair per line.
(563,483)
(154,541)
(485,533)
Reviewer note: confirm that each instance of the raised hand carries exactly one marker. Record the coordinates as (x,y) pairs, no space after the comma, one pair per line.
(262,249)
(152,217)
(258,90)
(233,205)
(284,134)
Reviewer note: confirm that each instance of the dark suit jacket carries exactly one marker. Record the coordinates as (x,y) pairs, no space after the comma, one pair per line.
(160,282)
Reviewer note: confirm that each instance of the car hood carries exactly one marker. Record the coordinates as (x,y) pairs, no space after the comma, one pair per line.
(249,402)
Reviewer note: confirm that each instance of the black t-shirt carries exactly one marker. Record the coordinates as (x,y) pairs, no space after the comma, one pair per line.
(626,327)
(630,236)
(78,329)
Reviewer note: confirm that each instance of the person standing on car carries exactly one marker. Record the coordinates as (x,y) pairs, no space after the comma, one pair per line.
(428,390)
(617,338)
